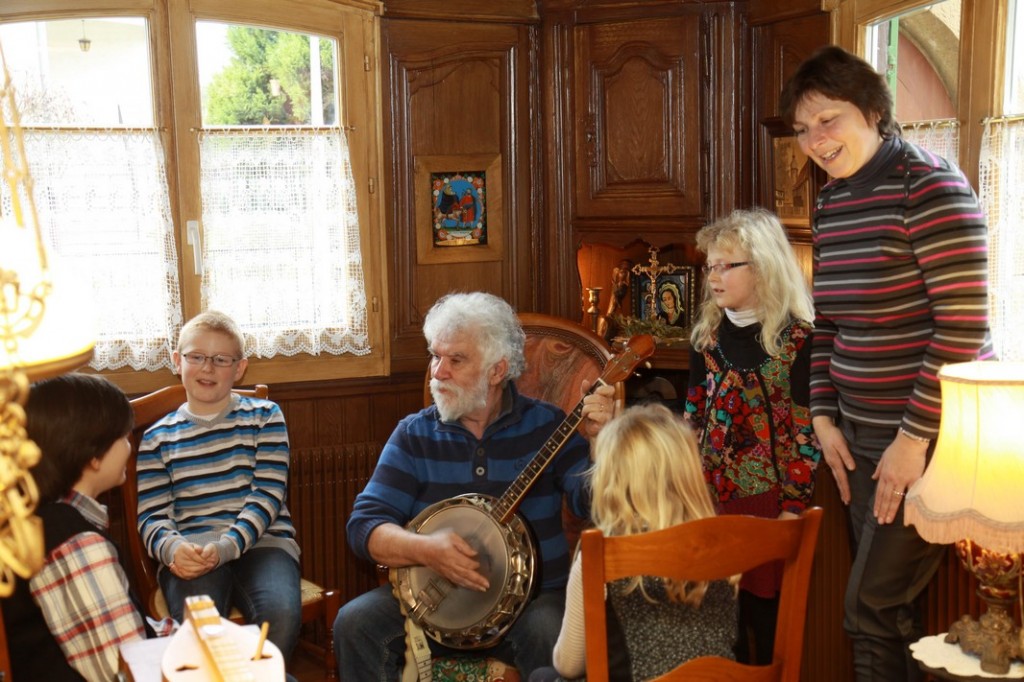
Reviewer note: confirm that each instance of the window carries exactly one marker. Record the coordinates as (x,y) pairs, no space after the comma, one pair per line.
(918,51)
(971,47)
(186,159)
(1001,188)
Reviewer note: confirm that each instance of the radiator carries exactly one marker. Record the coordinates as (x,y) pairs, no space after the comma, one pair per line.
(323,484)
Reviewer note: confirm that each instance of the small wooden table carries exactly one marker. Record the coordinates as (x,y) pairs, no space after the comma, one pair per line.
(949,662)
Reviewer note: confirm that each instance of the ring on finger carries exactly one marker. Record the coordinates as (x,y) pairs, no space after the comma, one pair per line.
(898,493)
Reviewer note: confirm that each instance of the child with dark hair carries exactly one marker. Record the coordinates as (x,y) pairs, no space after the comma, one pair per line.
(68,620)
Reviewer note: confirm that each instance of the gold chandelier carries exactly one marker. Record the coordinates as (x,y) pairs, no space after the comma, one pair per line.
(35,342)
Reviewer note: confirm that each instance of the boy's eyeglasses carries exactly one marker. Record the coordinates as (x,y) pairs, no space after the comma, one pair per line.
(217,360)
(719,268)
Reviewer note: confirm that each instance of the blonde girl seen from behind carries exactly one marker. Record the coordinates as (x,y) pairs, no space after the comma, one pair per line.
(646,444)
(646,477)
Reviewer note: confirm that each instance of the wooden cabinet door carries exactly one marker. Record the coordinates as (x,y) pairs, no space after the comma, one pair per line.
(638,118)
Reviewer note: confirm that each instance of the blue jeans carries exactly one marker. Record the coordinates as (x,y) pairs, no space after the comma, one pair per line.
(892,566)
(369,637)
(263,583)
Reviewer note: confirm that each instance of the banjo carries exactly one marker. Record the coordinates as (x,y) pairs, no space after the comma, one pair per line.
(466,619)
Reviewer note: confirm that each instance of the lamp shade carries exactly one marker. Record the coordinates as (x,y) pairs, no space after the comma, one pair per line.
(46,322)
(973,487)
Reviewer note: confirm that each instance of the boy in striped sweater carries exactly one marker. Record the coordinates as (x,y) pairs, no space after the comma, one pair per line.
(213,477)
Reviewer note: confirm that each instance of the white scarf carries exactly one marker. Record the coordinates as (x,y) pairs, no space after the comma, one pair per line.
(742,318)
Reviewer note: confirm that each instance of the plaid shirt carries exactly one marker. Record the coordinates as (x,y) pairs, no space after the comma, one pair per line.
(82,591)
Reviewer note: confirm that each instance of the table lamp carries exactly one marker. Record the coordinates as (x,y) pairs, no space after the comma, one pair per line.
(972,495)
(42,333)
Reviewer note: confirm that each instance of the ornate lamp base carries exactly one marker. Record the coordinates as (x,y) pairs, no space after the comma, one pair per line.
(994,637)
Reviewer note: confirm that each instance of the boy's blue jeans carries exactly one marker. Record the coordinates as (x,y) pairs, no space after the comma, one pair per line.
(369,637)
(263,583)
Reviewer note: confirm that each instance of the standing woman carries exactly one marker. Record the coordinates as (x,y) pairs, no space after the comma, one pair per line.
(747,397)
(900,289)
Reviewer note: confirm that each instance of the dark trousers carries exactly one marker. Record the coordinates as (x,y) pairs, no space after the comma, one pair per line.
(757,618)
(892,566)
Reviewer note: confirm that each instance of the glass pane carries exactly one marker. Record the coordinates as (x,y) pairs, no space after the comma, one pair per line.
(919,52)
(280,243)
(257,76)
(1013,102)
(85,94)
(91,72)
(281,248)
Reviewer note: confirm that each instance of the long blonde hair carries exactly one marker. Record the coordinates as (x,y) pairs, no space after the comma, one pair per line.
(782,292)
(647,476)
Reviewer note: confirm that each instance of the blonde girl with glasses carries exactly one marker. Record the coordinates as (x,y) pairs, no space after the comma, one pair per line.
(748,395)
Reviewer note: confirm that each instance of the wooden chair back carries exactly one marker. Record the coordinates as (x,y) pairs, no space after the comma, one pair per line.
(707,549)
(559,355)
(319,604)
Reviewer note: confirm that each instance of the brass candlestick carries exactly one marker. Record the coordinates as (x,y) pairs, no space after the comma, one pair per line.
(593,306)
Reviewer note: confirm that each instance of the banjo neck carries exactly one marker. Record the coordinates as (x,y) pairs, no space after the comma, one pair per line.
(637,349)
(507,504)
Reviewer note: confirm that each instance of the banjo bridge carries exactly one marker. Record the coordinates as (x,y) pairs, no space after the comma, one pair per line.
(431,596)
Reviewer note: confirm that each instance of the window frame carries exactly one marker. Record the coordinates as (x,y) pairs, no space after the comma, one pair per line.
(355,25)
(982,46)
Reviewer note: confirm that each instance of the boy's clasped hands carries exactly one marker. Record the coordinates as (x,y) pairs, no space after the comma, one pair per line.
(192,561)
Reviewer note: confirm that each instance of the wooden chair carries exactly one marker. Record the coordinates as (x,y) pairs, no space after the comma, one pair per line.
(319,605)
(705,550)
(559,355)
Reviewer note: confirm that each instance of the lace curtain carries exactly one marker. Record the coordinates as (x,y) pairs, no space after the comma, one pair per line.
(280,247)
(940,137)
(1001,190)
(105,213)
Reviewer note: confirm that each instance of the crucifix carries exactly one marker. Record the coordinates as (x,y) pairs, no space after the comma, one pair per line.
(653,271)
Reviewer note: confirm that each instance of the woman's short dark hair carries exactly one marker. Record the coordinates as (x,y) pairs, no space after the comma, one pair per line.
(73,418)
(837,74)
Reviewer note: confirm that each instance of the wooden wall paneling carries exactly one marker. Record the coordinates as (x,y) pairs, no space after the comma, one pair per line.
(782,46)
(562,295)
(455,88)
(827,651)
(637,95)
(728,75)
(638,140)
(773,11)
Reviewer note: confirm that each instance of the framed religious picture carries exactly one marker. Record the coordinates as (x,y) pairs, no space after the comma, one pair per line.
(458,208)
(791,179)
(671,299)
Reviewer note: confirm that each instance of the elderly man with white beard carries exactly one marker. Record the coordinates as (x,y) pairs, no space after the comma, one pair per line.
(476,438)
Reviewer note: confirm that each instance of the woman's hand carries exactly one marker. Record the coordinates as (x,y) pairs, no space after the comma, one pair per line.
(901,465)
(837,453)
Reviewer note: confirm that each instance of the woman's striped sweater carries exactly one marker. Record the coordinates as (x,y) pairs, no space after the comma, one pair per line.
(900,288)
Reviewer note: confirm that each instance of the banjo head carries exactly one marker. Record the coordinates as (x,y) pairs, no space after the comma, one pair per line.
(455,616)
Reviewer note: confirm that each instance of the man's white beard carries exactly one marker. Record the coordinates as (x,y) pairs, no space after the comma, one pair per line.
(456,402)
